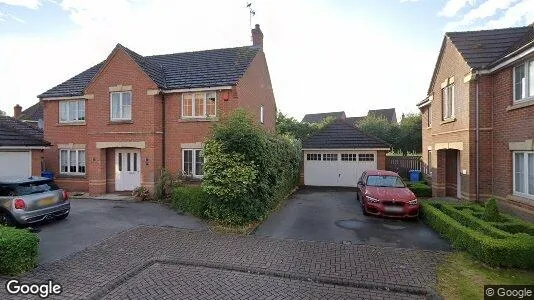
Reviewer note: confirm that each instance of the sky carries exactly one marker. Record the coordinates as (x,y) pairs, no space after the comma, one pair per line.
(323,55)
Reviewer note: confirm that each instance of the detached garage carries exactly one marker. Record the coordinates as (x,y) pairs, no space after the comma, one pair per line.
(21,147)
(339,153)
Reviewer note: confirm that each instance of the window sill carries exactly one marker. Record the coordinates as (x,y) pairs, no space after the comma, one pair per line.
(429,127)
(521,104)
(186,120)
(118,122)
(521,199)
(66,175)
(448,121)
(71,123)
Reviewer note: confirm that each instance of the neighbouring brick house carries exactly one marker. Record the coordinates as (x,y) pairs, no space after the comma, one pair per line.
(478,117)
(117,124)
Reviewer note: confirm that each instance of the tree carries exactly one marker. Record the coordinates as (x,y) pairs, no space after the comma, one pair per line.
(299,130)
(2,113)
(405,136)
(410,134)
(380,128)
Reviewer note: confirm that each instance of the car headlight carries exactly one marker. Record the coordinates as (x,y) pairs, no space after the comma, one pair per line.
(372,200)
(413,202)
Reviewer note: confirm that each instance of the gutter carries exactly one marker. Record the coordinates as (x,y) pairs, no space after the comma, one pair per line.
(163,120)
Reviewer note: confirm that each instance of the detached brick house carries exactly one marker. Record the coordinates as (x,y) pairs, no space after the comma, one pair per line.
(114,126)
(478,117)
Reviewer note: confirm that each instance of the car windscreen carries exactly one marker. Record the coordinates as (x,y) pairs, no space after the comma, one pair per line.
(34,188)
(385,181)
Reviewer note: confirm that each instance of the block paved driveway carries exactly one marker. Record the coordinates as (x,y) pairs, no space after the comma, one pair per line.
(334,215)
(91,221)
(166,263)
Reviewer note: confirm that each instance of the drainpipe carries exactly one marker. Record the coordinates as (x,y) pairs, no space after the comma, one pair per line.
(477,139)
(163,131)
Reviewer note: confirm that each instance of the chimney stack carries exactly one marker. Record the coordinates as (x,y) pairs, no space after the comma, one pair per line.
(17,111)
(257,36)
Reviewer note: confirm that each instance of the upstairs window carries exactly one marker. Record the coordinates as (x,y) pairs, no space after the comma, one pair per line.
(71,111)
(121,106)
(447,96)
(261,114)
(524,81)
(199,105)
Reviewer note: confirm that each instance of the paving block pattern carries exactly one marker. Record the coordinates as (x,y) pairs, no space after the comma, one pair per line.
(148,257)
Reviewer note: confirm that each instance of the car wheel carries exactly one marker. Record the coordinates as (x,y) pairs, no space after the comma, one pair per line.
(6,219)
(62,217)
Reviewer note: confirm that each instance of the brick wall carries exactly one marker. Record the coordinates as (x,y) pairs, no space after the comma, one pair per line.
(147,125)
(458,131)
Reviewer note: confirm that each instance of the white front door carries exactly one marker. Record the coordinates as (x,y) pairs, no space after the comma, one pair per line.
(127,169)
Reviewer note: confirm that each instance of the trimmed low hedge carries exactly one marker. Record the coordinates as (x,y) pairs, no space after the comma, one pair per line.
(190,199)
(480,238)
(420,189)
(19,250)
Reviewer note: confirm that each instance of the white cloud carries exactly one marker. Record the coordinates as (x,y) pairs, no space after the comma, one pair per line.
(315,52)
(521,13)
(494,14)
(452,7)
(33,4)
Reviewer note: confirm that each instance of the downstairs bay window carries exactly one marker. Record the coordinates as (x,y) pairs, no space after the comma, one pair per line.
(192,162)
(523,166)
(72,162)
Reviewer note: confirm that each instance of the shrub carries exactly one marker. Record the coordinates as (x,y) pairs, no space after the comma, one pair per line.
(247,171)
(491,212)
(420,189)
(165,184)
(478,237)
(141,193)
(19,250)
(191,199)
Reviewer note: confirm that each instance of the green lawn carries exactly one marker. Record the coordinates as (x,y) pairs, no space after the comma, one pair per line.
(462,277)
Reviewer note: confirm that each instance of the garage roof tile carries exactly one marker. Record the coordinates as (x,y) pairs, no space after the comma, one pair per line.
(342,135)
(16,133)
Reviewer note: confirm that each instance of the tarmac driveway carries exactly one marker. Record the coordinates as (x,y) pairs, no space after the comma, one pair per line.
(91,221)
(332,214)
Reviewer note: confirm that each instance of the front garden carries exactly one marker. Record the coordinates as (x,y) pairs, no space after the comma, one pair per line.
(247,173)
(19,250)
(494,238)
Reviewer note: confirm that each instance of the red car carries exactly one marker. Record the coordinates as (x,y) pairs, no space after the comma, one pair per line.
(384,193)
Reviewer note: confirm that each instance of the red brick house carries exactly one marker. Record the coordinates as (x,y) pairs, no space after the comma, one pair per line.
(114,126)
(478,117)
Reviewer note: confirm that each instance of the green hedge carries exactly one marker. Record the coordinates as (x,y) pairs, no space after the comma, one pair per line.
(247,171)
(19,250)
(420,189)
(485,242)
(191,199)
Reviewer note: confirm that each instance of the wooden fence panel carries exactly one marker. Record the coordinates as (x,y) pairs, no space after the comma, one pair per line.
(403,164)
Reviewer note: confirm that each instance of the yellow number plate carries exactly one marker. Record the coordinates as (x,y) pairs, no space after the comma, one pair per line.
(46,201)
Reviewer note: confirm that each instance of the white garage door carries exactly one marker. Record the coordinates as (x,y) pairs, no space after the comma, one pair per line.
(15,163)
(337,168)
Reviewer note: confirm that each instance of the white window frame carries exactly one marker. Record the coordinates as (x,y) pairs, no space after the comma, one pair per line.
(193,104)
(527,194)
(261,114)
(349,157)
(429,116)
(77,172)
(367,157)
(76,113)
(444,108)
(330,157)
(193,160)
(527,65)
(314,156)
(121,112)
